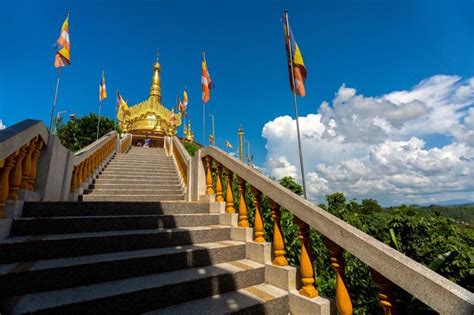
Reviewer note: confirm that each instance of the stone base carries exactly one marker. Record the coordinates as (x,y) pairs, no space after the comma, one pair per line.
(300,304)
(259,252)
(283,277)
(5,226)
(241,234)
(207,198)
(217,207)
(230,219)
(14,208)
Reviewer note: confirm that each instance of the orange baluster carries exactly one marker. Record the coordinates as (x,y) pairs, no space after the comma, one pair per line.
(278,242)
(258,221)
(26,167)
(5,169)
(209,189)
(386,294)
(343,300)
(243,217)
(34,160)
(306,264)
(219,195)
(229,194)
(16,172)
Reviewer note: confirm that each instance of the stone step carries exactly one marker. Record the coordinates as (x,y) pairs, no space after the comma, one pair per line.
(99,197)
(142,165)
(134,191)
(257,299)
(112,171)
(145,176)
(156,186)
(55,274)
(67,225)
(146,168)
(74,208)
(140,181)
(28,248)
(141,294)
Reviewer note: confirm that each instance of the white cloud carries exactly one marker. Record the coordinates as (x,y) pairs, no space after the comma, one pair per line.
(374,146)
(2,125)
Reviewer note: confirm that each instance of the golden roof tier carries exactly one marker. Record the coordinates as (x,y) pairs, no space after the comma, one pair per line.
(150,117)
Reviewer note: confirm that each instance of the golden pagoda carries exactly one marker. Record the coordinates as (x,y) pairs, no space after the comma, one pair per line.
(150,118)
(188,133)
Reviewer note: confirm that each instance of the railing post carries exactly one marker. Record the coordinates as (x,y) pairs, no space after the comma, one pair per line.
(258,221)
(278,242)
(219,195)
(343,300)
(243,216)
(306,264)
(25,176)
(34,160)
(4,180)
(385,294)
(209,189)
(229,195)
(16,173)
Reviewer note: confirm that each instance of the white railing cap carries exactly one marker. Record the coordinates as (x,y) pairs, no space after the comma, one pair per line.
(16,136)
(85,152)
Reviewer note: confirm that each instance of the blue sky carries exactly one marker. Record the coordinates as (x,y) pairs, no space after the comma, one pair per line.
(375,47)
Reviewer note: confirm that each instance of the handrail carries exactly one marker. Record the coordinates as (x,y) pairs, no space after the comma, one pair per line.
(125,143)
(91,158)
(182,159)
(20,147)
(388,265)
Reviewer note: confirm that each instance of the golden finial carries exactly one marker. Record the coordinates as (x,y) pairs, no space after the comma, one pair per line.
(155,89)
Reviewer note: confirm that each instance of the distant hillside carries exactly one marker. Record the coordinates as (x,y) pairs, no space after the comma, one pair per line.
(462,212)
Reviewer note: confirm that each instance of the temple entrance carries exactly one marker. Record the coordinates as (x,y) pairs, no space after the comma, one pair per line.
(156,141)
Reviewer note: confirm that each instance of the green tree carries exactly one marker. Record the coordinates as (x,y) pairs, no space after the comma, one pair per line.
(370,206)
(291,184)
(80,132)
(191,147)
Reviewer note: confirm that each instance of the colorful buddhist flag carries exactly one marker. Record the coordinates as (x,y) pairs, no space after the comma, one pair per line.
(180,106)
(63,47)
(185,98)
(206,82)
(295,60)
(102,89)
(228,144)
(211,139)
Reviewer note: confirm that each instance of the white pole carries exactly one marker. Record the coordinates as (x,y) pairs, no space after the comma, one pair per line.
(55,100)
(213,130)
(296,107)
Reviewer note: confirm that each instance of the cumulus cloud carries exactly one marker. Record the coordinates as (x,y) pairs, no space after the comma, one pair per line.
(2,125)
(373,146)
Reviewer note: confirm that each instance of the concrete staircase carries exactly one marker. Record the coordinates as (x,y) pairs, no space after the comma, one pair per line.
(129,257)
(143,174)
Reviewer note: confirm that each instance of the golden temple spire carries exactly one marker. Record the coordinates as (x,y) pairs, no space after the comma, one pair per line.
(155,89)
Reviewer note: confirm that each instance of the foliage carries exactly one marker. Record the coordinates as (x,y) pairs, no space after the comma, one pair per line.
(191,147)
(80,132)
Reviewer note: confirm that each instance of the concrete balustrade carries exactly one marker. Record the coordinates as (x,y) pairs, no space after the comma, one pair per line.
(125,143)
(389,267)
(182,160)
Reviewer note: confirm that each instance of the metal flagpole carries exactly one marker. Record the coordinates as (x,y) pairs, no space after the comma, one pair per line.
(296,105)
(98,120)
(116,111)
(213,130)
(203,124)
(55,99)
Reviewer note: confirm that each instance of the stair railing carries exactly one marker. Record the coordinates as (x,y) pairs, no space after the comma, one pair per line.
(388,266)
(182,160)
(91,159)
(20,148)
(125,143)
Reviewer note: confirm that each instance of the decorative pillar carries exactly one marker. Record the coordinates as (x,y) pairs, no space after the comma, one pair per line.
(343,300)
(241,143)
(4,181)
(34,159)
(26,167)
(258,221)
(386,292)
(243,217)
(306,264)
(16,173)
(229,195)
(209,189)
(278,242)
(219,195)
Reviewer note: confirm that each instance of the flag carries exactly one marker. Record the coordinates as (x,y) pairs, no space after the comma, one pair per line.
(295,60)
(185,99)
(63,48)
(181,107)
(206,82)
(122,107)
(227,144)
(102,89)
(211,139)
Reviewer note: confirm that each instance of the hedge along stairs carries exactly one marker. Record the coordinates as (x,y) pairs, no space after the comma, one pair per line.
(135,246)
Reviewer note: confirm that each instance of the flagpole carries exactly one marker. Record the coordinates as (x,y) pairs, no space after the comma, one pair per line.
(55,99)
(98,120)
(213,130)
(300,150)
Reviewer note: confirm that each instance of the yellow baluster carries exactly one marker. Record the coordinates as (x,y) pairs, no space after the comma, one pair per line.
(34,160)
(16,172)
(243,217)
(5,169)
(343,300)
(74,181)
(385,295)
(229,194)
(219,195)
(278,242)
(27,165)
(306,263)
(258,221)
(209,189)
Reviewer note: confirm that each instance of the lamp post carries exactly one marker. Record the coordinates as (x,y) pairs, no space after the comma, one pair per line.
(249,157)
(58,116)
